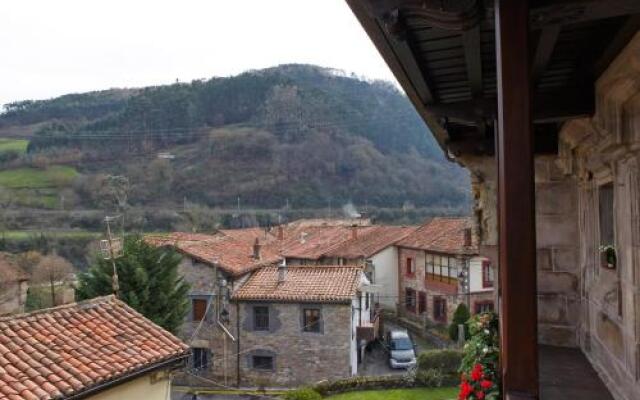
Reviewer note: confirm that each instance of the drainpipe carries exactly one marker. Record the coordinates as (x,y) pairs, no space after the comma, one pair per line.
(238,344)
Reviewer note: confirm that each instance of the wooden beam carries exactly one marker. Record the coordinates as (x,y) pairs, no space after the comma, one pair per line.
(556,106)
(400,43)
(561,12)
(619,41)
(473,59)
(546,44)
(516,210)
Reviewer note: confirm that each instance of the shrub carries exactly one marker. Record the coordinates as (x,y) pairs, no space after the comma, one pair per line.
(460,317)
(430,378)
(326,388)
(480,377)
(302,394)
(446,361)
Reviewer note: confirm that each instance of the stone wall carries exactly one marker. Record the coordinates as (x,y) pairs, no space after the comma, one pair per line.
(208,334)
(299,357)
(581,303)
(13,296)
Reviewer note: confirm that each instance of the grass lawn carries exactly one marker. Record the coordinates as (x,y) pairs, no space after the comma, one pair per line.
(13,145)
(400,394)
(55,176)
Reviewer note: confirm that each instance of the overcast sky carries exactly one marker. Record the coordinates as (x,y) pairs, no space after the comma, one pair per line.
(49,48)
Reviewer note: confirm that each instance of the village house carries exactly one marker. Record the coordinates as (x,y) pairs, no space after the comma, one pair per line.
(214,266)
(14,283)
(439,269)
(301,324)
(99,349)
(376,252)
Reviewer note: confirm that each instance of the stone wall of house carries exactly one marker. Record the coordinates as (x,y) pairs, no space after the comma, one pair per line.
(13,296)
(580,302)
(299,357)
(207,334)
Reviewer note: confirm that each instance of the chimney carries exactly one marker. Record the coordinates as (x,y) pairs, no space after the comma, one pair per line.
(256,249)
(467,237)
(354,232)
(282,271)
(280,232)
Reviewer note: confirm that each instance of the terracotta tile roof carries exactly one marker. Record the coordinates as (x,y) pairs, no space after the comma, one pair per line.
(69,350)
(10,271)
(317,284)
(443,235)
(229,254)
(372,242)
(314,242)
(249,235)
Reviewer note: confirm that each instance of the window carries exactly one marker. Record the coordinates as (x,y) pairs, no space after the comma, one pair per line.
(262,362)
(311,320)
(483,306)
(366,301)
(487,274)
(422,302)
(198,309)
(410,300)
(261,318)
(200,358)
(439,309)
(605,197)
(428,260)
(411,270)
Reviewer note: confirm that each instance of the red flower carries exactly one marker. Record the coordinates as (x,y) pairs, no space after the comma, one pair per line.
(480,395)
(485,384)
(465,391)
(476,373)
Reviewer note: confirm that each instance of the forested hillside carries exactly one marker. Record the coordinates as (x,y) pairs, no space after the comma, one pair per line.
(294,134)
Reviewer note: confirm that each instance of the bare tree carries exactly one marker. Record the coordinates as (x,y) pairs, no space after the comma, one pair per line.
(52,269)
(28,260)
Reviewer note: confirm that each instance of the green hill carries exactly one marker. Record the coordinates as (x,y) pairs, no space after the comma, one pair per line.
(295,133)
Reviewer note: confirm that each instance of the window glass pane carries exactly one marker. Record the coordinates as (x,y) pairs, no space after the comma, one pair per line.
(605,196)
(263,362)
(200,358)
(261,318)
(311,320)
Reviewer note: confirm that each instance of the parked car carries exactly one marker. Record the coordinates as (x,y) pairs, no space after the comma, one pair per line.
(402,350)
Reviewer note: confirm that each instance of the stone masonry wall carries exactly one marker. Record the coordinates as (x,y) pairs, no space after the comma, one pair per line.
(299,357)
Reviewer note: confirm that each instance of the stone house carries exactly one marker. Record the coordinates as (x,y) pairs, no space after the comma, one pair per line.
(300,324)
(439,268)
(214,266)
(98,349)
(14,283)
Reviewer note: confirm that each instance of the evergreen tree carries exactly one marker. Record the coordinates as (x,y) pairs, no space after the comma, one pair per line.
(149,282)
(460,317)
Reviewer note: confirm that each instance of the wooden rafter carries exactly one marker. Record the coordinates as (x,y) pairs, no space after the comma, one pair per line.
(561,12)
(544,49)
(473,59)
(621,38)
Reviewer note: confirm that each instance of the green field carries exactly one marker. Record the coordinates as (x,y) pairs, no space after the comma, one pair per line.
(400,394)
(24,235)
(34,178)
(18,146)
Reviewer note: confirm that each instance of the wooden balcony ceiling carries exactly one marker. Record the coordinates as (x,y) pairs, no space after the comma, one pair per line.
(443,54)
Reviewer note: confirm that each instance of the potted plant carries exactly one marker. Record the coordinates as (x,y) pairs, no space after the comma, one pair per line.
(608,256)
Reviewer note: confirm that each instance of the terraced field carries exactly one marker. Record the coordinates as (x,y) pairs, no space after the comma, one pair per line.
(17,146)
(34,178)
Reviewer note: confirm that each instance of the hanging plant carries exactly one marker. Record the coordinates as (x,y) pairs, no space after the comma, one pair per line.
(608,256)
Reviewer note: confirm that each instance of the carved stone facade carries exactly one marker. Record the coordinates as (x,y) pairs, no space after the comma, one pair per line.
(581,302)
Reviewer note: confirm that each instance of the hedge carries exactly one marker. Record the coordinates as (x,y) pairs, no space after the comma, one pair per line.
(327,388)
(446,361)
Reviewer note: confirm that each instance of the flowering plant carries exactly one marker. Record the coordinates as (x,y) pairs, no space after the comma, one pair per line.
(479,370)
